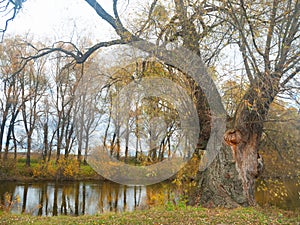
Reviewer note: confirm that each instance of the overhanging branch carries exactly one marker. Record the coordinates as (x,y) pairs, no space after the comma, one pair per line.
(114,22)
(75,53)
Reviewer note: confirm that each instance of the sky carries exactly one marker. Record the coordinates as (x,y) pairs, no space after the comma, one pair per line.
(60,19)
(67,20)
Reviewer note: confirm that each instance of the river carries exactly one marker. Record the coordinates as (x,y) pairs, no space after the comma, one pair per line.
(80,198)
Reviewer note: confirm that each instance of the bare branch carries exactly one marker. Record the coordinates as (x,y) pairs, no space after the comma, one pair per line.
(118,20)
(102,13)
(250,27)
(78,56)
(153,4)
(9,7)
(245,46)
(114,22)
(291,29)
(291,76)
(269,37)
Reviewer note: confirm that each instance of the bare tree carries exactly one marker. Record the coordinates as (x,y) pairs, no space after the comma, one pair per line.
(88,106)
(66,82)
(10,102)
(33,85)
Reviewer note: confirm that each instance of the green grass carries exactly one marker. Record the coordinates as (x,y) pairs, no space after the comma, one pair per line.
(86,171)
(161,215)
(32,161)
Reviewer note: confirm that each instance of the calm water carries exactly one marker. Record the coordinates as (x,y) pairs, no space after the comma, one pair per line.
(78,198)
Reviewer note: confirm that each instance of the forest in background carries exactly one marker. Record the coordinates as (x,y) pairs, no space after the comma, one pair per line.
(53,109)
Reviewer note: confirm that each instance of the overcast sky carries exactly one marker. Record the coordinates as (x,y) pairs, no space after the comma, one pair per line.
(57,19)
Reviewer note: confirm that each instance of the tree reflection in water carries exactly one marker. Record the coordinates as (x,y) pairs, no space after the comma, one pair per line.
(79,198)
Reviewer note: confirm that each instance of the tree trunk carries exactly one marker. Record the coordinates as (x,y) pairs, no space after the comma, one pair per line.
(230,179)
(245,153)
(29,139)
(46,144)
(126,141)
(1,135)
(9,133)
(15,143)
(219,185)
(69,140)
(86,149)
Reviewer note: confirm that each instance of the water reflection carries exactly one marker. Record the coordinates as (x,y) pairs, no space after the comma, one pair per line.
(79,198)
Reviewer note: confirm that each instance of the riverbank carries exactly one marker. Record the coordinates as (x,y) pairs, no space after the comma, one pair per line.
(39,170)
(168,214)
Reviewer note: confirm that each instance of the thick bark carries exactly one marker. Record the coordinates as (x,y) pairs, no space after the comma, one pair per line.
(219,184)
(230,179)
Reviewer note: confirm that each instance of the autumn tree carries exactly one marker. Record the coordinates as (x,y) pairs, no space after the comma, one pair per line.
(152,126)
(266,35)
(267,38)
(66,80)
(89,101)
(33,85)
(10,101)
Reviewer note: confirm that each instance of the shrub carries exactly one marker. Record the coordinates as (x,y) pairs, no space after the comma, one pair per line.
(67,168)
(8,168)
(62,169)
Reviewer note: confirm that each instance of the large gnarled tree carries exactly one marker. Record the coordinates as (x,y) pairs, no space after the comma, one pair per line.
(268,38)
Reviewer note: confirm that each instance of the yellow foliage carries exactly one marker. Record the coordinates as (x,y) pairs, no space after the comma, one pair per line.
(71,168)
(185,178)
(63,168)
(9,202)
(67,168)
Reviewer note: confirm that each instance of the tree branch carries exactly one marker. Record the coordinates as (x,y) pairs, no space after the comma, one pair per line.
(291,76)
(291,29)
(245,45)
(114,22)
(78,56)
(153,4)
(269,37)
(16,6)
(250,27)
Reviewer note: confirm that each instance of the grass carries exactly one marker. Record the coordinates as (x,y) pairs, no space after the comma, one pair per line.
(162,215)
(87,172)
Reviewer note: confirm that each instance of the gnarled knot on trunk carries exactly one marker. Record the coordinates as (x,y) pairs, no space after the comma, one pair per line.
(232,137)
